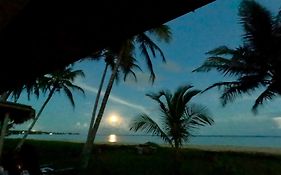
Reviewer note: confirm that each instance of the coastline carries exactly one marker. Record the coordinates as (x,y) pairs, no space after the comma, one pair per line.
(200,147)
(231,148)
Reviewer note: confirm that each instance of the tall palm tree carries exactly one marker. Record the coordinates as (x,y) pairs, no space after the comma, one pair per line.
(254,64)
(122,55)
(126,66)
(178,117)
(60,80)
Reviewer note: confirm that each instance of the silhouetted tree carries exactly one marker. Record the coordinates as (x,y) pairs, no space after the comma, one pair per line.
(178,119)
(256,63)
(60,80)
(178,116)
(122,56)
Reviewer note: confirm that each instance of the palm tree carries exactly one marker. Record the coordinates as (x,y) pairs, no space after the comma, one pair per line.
(60,80)
(254,64)
(127,65)
(178,117)
(122,57)
(13,94)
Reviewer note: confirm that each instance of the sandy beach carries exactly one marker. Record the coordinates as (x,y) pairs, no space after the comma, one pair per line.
(218,148)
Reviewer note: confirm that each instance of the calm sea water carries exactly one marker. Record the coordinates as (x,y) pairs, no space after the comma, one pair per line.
(249,141)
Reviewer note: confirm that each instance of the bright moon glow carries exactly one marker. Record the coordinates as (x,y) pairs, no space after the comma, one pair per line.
(114,120)
(112,138)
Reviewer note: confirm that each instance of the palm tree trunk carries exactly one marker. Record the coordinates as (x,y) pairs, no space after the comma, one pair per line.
(35,119)
(88,149)
(177,161)
(4,96)
(4,123)
(97,101)
(89,140)
(3,133)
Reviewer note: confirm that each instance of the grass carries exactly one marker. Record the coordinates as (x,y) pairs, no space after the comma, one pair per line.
(123,159)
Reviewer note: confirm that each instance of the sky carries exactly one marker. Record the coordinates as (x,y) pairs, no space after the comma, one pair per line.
(193,35)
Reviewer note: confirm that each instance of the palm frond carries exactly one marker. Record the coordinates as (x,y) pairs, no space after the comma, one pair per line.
(257,23)
(128,65)
(196,116)
(222,50)
(163,33)
(148,61)
(178,100)
(144,123)
(216,62)
(245,84)
(190,94)
(143,38)
(74,87)
(156,97)
(267,94)
(180,91)
(69,95)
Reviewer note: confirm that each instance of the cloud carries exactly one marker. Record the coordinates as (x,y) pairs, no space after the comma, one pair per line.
(277,121)
(87,114)
(112,97)
(173,67)
(142,77)
(80,125)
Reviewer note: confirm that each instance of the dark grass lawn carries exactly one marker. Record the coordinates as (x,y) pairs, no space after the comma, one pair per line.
(124,160)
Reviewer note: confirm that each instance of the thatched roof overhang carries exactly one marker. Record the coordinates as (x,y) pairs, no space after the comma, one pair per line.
(39,36)
(18,113)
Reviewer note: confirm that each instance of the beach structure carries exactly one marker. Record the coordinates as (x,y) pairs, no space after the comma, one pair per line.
(41,36)
(13,113)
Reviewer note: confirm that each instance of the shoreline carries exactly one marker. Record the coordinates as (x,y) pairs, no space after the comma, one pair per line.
(231,148)
(203,147)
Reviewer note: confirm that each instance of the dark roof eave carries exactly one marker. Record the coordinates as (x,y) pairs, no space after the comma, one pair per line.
(48,34)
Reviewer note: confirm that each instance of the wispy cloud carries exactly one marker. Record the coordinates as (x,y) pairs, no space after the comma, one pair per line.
(277,121)
(173,67)
(112,98)
(143,81)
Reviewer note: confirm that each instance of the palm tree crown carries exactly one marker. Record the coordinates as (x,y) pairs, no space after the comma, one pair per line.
(141,41)
(179,118)
(57,81)
(256,63)
(61,80)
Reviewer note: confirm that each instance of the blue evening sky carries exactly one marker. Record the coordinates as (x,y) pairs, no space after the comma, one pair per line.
(193,35)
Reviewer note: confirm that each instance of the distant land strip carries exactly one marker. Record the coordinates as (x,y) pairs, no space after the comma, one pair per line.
(17,132)
(144,135)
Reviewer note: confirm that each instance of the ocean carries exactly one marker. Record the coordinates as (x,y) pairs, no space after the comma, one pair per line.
(210,140)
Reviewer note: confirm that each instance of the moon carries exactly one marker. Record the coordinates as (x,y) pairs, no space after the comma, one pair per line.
(114,120)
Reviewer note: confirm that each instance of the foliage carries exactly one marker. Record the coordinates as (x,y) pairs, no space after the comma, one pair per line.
(122,55)
(178,117)
(129,47)
(61,81)
(57,81)
(256,63)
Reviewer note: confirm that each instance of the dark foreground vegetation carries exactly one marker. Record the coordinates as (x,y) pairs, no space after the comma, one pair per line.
(125,160)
